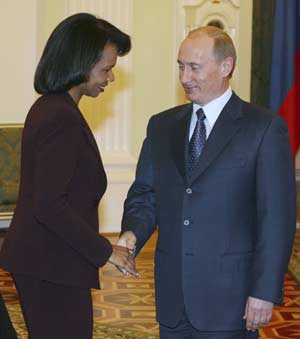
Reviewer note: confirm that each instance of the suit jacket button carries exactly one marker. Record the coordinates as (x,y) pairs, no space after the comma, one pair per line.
(189,191)
(186,222)
(189,253)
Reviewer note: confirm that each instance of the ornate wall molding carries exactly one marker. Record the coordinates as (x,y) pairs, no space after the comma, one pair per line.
(235,3)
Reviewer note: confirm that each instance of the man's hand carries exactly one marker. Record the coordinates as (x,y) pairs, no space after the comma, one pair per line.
(123,259)
(258,313)
(128,239)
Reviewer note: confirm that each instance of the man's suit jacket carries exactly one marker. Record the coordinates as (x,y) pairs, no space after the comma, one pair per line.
(54,232)
(226,231)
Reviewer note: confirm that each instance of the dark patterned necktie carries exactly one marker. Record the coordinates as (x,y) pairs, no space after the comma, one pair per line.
(197,141)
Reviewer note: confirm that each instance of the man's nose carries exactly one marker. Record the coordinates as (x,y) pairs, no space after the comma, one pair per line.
(185,75)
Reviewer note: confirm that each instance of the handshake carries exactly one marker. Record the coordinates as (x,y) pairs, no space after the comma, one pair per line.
(123,254)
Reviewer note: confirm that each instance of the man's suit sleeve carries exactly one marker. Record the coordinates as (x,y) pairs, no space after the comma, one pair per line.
(276,212)
(56,158)
(140,205)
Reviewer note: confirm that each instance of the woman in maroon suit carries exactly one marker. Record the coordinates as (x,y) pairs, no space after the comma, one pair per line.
(53,248)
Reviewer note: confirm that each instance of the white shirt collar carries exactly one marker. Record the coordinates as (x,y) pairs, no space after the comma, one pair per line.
(214,108)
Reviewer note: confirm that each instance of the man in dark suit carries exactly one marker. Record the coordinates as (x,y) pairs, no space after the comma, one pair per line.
(217,178)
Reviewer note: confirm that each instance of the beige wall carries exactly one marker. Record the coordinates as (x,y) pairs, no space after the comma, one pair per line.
(152,63)
(152,76)
(17,58)
(244,50)
(49,14)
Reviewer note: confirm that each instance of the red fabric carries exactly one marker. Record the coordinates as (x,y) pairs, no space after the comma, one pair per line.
(290,108)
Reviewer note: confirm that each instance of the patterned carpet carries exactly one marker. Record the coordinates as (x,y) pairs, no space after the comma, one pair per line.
(124,308)
(294,265)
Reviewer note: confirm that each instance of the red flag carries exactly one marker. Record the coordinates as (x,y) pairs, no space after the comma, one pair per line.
(285,68)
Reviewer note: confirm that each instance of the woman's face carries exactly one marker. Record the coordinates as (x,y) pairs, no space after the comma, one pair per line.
(101,74)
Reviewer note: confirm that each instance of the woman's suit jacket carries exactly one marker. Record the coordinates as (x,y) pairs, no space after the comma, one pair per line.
(54,232)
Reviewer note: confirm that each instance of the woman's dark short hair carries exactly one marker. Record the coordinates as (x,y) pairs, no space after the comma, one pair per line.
(72,49)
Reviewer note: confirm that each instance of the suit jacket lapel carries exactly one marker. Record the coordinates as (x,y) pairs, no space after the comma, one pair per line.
(87,131)
(179,137)
(91,139)
(226,126)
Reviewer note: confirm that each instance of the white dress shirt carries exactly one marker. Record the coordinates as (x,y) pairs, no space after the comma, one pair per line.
(212,110)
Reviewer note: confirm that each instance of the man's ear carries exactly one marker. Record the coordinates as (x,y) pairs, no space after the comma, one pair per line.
(226,66)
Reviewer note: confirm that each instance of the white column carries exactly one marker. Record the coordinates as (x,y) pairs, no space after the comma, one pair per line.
(110,114)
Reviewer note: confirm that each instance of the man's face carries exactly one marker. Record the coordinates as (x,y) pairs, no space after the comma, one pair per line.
(202,76)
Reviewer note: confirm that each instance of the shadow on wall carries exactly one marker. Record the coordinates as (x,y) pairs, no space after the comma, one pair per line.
(98,110)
